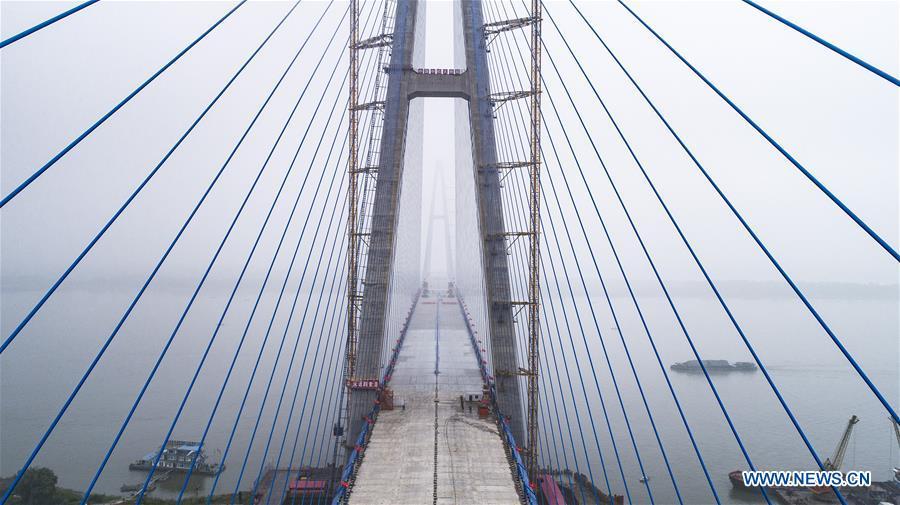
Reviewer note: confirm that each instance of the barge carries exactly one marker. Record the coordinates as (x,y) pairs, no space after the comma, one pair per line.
(714,365)
(178,456)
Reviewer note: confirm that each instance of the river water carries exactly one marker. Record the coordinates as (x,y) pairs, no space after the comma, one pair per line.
(43,365)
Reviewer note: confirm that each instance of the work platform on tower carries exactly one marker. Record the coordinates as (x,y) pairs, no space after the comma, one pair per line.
(433,447)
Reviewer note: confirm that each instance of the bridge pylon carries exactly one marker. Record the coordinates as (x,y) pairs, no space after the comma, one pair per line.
(371,262)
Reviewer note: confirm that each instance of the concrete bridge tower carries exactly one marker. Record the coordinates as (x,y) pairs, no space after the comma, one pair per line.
(371,298)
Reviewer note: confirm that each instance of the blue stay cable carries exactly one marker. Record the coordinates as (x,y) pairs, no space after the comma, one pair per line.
(283,285)
(590,359)
(646,331)
(303,319)
(514,217)
(202,281)
(652,265)
(594,373)
(266,338)
(6,199)
(625,346)
(337,318)
(234,292)
(115,331)
(546,462)
(553,428)
(504,135)
(262,290)
(333,394)
(634,300)
(331,310)
(690,249)
(590,413)
(640,240)
(328,316)
(46,296)
(45,24)
(269,329)
(329,294)
(561,465)
(764,249)
(519,292)
(555,410)
(616,319)
(544,407)
(513,220)
(289,367)
(237,284)
(871,68)
(655,271)
(209,347)
(255,368)
(633,227)
(339,407)
(590,471)
(773,142)
(609,301)
(571,388)
(271,376)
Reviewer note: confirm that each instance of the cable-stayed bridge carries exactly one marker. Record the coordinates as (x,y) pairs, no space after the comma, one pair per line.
(312,357)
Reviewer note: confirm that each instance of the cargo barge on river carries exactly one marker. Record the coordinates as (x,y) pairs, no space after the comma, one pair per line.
(714,365)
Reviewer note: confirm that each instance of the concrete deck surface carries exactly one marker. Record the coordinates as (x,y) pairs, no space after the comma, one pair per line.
(432,431)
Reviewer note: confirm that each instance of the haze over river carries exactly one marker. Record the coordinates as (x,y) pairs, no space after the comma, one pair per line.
(820,387)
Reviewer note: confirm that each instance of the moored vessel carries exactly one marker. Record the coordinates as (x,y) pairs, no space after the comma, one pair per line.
(178,456)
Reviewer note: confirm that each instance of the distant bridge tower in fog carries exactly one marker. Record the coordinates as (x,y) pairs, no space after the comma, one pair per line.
(439,188)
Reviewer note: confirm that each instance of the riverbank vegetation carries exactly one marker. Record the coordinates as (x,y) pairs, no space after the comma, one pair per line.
(38,487)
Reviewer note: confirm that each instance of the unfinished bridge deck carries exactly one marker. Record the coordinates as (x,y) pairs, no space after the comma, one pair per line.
(429,449)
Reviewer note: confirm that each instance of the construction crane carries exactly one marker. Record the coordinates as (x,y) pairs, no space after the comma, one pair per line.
(834,463)
(896,429)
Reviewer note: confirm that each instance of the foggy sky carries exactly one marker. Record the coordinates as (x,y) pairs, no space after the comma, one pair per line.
(839,120)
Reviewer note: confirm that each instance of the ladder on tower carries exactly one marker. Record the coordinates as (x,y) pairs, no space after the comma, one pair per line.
(368,167)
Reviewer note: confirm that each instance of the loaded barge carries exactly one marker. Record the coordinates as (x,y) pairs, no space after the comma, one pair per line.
(713,365)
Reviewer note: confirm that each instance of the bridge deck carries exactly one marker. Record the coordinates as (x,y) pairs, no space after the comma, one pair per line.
(432,447)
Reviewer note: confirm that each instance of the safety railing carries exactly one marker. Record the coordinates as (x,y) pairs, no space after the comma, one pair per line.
(368,421)
(508,438)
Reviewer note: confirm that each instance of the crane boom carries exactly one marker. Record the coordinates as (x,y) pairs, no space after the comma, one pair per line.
(837,459)
(896,429)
